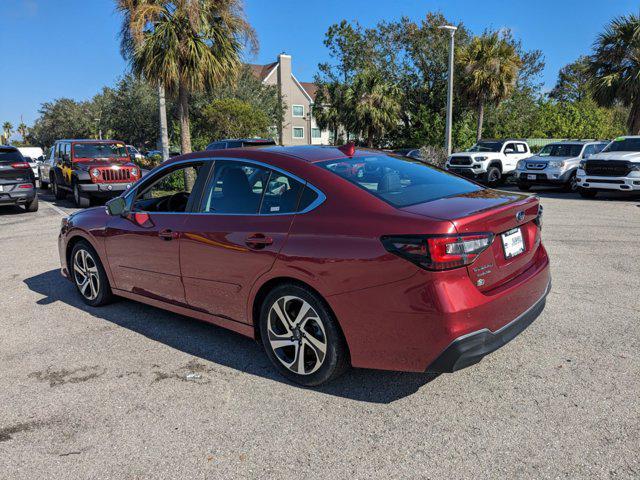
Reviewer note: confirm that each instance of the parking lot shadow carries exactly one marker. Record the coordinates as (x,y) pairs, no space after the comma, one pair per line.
(221,346)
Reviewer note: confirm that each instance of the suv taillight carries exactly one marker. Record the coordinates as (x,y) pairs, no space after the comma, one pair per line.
(20,165)
(438,252)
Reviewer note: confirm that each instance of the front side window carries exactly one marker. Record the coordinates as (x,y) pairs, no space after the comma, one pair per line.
(298,110)
(298,132)
(170,192)
(400,181)
(510,148)
(99,150)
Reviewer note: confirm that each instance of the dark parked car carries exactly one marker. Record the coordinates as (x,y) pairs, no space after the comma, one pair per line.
(240,143)
(90,169)
(17,181)
(415,270)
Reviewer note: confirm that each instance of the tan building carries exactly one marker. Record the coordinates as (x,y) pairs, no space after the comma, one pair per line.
(298,126)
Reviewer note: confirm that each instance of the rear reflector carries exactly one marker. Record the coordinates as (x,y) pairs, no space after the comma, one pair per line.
(20,165)
(438,252)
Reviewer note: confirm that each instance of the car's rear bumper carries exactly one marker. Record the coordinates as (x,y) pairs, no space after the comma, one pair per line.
(469,349)
(406,325)
(17,197)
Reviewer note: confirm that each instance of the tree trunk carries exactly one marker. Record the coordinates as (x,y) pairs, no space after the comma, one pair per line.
(370,138)
(480,121)
(633,122)
(164,130)
(185,134)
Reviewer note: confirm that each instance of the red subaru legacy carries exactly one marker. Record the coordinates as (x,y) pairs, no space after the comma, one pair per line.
(406,267)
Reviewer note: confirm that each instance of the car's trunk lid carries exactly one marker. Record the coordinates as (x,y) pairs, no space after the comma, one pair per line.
(496,212)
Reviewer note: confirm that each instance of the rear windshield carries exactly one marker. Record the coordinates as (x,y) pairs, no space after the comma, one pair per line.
(624,145)
(561,150)
(10,155)
(400,181)
(99,150)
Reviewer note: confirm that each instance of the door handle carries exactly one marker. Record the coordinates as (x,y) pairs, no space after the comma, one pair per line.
(167,234)
(258,241)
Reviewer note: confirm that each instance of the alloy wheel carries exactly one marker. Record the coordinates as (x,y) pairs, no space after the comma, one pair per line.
(297,335)
(85,273)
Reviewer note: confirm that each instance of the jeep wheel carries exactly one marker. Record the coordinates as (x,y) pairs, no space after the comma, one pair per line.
(59,193)
(79,199)
(587,192)
(494,176)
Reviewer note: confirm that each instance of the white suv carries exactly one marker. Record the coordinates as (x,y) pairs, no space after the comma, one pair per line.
(616,168)
(489,161)
(556,164)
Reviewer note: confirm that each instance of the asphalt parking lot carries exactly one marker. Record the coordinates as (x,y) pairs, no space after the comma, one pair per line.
(130,391)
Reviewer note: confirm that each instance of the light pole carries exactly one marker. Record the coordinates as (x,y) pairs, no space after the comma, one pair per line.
(447,140)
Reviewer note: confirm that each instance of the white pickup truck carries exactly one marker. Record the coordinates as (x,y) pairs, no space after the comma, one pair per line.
(489,161)
(616,168)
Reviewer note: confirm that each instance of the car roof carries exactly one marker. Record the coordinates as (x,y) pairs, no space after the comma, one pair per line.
(256,140)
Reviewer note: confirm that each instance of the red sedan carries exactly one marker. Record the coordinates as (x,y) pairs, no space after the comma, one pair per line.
(408,268)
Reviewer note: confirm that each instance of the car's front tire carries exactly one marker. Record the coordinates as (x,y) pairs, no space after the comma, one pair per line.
(493,176)
(587,192)
(525,187)
(79,199)
(301,336)
(89,276)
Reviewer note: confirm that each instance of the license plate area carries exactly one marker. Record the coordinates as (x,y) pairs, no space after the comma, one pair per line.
(531,177)
(512,243)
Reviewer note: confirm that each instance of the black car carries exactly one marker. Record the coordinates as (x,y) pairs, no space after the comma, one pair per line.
(240,143)
(17,181)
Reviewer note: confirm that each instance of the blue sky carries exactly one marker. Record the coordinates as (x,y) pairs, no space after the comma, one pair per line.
(69,48)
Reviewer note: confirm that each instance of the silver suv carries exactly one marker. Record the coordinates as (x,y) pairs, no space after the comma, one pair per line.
(556,164)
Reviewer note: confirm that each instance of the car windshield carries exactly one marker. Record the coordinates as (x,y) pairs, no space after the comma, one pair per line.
(486,147)
(560,150)
(400,182)
(10,155)
(99,150)
(623,145)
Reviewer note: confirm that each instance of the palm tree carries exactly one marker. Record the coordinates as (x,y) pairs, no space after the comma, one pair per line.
(7,128)
(489,66)
(329,109)
(184,45)
(23,130)
(372,106)
(615,68)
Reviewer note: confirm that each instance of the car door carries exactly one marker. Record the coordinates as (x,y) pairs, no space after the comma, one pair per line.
(143,245)
(244,220)
(510,156)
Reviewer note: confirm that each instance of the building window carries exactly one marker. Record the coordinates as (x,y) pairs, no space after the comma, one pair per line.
(298,132)
(298,110)
(315,133)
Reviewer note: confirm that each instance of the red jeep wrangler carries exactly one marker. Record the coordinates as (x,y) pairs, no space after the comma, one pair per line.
(91,169)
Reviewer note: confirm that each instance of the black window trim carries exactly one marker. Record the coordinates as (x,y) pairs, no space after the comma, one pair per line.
(210,162)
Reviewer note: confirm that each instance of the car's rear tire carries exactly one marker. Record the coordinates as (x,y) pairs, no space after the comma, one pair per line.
(79,199)
(301,336)
(32,206)
(58,192)
(88,275)
(587,192)
(493,176)
(525,187)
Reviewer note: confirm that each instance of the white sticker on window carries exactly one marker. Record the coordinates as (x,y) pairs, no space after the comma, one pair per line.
(275,209)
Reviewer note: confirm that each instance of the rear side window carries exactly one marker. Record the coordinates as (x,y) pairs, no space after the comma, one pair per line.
(10,155)
(400,181)
(236,188)
(281,195)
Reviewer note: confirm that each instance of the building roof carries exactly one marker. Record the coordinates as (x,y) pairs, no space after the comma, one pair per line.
(261,72)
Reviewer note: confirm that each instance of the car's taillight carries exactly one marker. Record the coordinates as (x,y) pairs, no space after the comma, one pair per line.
(438,252)
(25,185)
(20,165)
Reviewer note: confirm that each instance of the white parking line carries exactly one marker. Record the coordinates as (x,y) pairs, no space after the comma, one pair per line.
(59,210)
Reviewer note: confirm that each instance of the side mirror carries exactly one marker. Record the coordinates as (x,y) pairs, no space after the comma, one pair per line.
(116,206)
